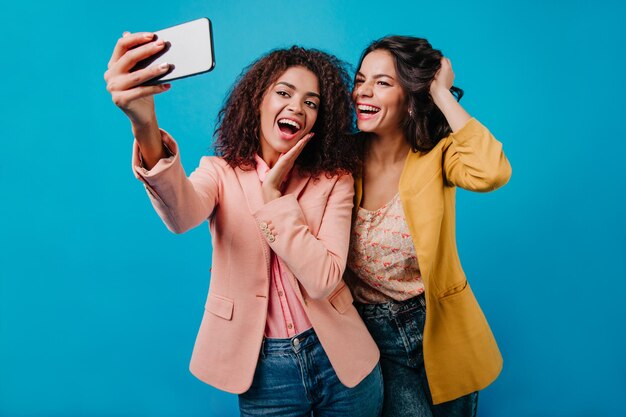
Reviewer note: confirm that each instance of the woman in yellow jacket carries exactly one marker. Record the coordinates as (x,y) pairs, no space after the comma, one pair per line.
(419,144)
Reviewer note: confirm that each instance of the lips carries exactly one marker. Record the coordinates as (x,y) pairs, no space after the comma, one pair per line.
(288,128)
(366,111)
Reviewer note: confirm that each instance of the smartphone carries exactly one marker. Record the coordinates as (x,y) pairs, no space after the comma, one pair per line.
(188,49)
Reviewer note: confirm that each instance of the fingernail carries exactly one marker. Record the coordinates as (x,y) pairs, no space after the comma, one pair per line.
(166,86)
(149,35)
(125,34)
(160,42)
(164,66)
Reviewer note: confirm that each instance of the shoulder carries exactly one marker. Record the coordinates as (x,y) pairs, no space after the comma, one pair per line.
(332,180)
(212,160)
(216,164)
(434,156)
(344,180)
(340,185)
(322,187)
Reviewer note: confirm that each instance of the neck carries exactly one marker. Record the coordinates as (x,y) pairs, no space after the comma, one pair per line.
(387,149)
(270,156)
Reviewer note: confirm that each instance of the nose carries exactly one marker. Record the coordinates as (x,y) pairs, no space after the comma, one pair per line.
(295,106)
(363,90)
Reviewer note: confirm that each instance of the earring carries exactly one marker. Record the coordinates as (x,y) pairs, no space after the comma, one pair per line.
(411,113)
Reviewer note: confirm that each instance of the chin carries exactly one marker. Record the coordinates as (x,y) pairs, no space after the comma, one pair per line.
(365,127)
(281,146)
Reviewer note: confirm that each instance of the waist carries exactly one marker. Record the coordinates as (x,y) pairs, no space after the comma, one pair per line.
(390,308)
(275,346)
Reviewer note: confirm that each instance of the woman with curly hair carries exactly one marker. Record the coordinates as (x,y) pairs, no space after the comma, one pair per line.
(419,144)
(279,327)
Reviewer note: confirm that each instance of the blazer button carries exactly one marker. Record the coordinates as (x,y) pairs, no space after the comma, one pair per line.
(263,225)
(271,238)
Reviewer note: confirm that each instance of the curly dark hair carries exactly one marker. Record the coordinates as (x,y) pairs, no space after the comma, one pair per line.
(416,63)
(331,151)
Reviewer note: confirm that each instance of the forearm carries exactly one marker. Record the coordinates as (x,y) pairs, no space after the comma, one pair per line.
(148,138)
(454,113)
(317,258)
(474,159)
(182,202)
(318,266)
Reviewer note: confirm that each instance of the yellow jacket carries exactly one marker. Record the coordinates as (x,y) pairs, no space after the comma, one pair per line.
(460,352)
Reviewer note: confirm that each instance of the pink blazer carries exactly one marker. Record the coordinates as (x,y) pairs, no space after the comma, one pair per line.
(308,228)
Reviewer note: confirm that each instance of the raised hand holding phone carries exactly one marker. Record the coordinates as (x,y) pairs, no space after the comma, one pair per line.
(139,68)
(135,100)
(125,87)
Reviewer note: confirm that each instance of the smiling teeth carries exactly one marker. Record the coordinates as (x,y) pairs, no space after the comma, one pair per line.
(365,107)
(290,122)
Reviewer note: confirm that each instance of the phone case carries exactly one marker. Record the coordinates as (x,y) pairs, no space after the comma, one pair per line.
(188,49)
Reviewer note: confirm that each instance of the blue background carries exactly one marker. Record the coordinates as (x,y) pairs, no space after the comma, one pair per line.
(99,303)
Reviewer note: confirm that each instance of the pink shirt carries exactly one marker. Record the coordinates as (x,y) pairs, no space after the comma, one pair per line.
(285,315)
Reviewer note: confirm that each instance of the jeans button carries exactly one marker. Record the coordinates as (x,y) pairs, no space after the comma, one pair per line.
(394,308)
(296,342)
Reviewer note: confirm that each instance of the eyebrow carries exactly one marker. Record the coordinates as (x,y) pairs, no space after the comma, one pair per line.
(293,87)
(377,76)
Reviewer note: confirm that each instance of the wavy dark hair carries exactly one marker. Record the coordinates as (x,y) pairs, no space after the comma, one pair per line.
(416,63)
(331,151)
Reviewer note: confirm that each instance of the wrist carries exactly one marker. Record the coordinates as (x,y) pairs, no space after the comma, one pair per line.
(270,194)
(441,95)
(144,124)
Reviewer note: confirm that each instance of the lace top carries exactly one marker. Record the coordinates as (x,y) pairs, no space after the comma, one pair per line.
(382,256)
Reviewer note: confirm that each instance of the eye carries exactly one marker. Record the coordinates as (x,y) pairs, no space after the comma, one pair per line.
(358,81)
(311,104)
(283,93)
(384,83)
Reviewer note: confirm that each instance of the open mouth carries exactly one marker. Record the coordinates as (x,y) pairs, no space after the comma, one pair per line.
(367,110)
(288,127)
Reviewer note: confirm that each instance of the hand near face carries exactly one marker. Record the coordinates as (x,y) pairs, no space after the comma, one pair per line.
(456,115)
(443,79)
(278,173)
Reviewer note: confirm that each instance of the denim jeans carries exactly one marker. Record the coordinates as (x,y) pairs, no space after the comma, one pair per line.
(397,328)
(294,378)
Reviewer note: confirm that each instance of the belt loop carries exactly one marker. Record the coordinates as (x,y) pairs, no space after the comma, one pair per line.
(263,347)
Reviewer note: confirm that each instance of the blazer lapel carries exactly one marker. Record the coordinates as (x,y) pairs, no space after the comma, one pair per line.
(423,204)
(251,187)
(296,183)
(417,171)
